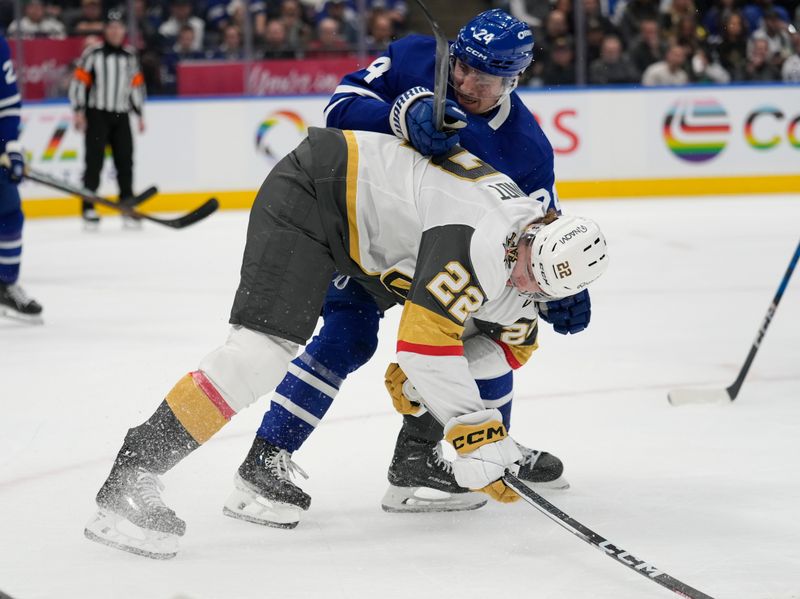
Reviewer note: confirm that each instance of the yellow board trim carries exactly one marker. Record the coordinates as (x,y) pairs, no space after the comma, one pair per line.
(195,411)
(352,194)
(421,326)
(621,188)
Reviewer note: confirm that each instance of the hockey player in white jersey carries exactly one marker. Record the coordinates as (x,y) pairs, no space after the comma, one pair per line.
(437,236)
(486,117)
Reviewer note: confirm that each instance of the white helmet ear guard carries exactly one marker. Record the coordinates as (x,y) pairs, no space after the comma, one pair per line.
(567,255)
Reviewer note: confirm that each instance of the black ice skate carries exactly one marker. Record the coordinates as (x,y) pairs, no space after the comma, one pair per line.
(15,303)
(541,470)
(264,492)
(421,480)
(90,217)
(132,516)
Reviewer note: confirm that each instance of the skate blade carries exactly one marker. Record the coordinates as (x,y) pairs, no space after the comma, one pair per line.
(20,317)
(132,224)
(417,500)
(115,531)
(91,226)
(245,504)
(558,484)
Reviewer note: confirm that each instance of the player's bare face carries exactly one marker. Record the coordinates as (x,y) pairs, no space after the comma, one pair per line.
(522,278)
(475,90)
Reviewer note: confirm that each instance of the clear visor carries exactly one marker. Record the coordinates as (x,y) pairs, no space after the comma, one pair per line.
(476,84)
(526,239)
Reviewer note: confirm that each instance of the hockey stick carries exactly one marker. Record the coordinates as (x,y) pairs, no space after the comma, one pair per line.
(199,213)
(679,397)
(626,559)
(442,66)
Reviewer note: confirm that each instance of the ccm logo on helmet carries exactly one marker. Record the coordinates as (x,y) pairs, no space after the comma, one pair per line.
(474,52)
(523,34)
(479,437)
(576,231)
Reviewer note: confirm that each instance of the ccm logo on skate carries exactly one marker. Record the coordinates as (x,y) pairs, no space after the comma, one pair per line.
(627,558)
(475,439)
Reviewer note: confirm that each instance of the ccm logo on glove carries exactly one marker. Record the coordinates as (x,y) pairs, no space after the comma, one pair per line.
(466,438)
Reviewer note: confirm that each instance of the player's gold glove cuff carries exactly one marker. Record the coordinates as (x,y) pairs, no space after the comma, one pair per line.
(499,491)
(394,379)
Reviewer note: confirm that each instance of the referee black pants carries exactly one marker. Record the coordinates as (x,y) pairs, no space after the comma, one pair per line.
(113,129)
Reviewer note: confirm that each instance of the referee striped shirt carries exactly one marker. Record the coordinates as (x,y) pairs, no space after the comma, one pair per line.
(107,78)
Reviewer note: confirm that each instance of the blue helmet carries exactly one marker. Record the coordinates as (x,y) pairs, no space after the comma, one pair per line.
(496,43)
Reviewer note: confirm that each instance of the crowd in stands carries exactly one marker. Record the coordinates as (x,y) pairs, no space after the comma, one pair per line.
(665,42)
(652,42)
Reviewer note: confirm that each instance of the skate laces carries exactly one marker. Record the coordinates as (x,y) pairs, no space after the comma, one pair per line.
(150,488)
(440,461)
(529,456)
(283,466)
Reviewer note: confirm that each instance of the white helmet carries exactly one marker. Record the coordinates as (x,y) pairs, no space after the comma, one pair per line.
(567,255)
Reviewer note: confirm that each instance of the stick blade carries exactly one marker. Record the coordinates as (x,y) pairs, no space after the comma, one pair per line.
(682,397)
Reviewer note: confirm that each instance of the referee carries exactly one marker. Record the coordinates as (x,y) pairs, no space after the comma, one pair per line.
(106,86)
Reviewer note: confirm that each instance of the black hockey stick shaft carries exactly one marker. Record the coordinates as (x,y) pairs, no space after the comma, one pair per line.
(733,390)
(623,557)
(442,66)
(199,213)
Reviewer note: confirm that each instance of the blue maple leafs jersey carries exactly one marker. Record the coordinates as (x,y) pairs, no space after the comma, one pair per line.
(10,105)
(507,137)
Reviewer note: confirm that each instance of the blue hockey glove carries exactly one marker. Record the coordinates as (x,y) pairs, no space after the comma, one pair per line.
(16,168)
(411,118)
(568,315)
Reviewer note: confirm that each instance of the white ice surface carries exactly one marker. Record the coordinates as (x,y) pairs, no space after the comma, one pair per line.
(710,494)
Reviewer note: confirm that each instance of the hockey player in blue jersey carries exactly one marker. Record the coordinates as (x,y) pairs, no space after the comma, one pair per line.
(484,115)
(14,302)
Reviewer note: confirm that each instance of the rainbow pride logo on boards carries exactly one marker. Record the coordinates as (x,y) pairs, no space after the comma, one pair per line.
(696,130)
(284,121)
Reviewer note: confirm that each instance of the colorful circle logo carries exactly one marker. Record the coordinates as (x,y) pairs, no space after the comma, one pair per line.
(280,133)
(696,130)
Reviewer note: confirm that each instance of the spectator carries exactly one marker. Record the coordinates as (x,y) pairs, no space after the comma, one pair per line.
(676,10)
(181,16)
(560,67)
(732,49)
(648,47)
(595,34)
(613,66)
(89,21)
(328,41)
(532,12)
(236,12)
(396,10)
(689,34)
(632,15)
(775,32)
(555,27)
(275,43)
(35,23)
(342,14)
(707,70)
(381,33)
(754,13)
(183,49)
(297,31)
(716,16)
(760,66)
(594,12)
(670,71)
(231,46)
(791,68)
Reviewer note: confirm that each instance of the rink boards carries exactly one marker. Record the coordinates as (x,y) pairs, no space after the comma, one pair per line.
(608,143)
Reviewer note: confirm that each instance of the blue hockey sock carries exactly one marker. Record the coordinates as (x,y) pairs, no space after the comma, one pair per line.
(498,393)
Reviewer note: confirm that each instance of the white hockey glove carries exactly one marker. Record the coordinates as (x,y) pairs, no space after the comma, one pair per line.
(485,451)
(405,397)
